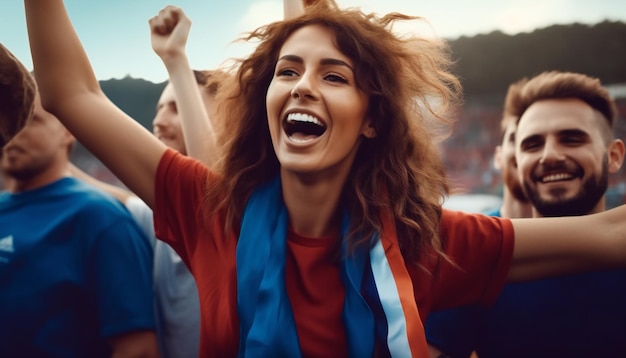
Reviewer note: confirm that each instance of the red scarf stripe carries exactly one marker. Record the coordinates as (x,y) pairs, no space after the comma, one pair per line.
(414,327)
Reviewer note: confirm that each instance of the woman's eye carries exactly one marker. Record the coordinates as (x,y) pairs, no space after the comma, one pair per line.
(287,72)
(335,78)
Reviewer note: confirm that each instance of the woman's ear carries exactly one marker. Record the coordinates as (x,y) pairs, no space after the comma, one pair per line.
(368,129)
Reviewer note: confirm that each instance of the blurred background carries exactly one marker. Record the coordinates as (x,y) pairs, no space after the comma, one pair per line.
(486,65)
(493,44)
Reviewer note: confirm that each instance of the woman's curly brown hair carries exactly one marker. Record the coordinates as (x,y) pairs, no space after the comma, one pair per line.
(17,94)
(399,171)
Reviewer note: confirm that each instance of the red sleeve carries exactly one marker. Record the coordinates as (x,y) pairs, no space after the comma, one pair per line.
(181,220)
(480,249)
(179,198)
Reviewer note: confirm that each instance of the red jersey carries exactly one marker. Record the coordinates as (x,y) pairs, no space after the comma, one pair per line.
(481,248)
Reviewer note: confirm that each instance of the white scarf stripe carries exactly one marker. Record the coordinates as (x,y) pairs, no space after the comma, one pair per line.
(397,338)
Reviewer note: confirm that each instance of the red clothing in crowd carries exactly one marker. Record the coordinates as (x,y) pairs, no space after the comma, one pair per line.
(480,246)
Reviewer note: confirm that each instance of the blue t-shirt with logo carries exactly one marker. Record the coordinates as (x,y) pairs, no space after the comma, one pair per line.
(75,270)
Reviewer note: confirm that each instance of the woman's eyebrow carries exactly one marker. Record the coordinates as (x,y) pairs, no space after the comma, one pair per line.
(324,61)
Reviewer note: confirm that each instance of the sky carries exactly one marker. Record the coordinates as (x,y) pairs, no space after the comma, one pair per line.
(116,36)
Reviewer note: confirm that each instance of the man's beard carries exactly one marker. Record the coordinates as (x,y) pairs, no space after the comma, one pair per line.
(581,204)
(21,174)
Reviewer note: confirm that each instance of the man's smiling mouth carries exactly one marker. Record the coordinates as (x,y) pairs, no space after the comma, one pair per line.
(556,177)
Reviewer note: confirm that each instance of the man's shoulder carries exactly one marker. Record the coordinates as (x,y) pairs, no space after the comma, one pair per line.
(90,195)
(91,203)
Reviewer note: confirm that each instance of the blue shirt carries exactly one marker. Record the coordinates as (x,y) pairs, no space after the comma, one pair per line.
(75,270)
(571,316)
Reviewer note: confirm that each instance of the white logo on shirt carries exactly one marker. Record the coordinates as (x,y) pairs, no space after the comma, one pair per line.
(6,244)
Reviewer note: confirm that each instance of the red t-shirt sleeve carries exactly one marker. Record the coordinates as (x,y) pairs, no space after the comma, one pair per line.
(481,249)
(182,220)
(179,197)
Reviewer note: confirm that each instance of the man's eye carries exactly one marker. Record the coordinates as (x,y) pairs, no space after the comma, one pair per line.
(573,140)
(527,147)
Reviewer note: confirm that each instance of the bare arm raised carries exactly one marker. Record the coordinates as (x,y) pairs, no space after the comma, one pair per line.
(292,8)
(169,31)
(70,90)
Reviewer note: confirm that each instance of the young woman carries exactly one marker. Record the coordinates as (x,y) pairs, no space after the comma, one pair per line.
(322,234)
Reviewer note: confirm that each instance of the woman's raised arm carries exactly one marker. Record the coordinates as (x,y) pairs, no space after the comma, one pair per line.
(70,90)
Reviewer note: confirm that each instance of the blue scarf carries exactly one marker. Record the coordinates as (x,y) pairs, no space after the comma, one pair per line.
(267,325)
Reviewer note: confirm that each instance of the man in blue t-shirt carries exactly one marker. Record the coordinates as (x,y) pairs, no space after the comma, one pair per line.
(75,268)
(565,151)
